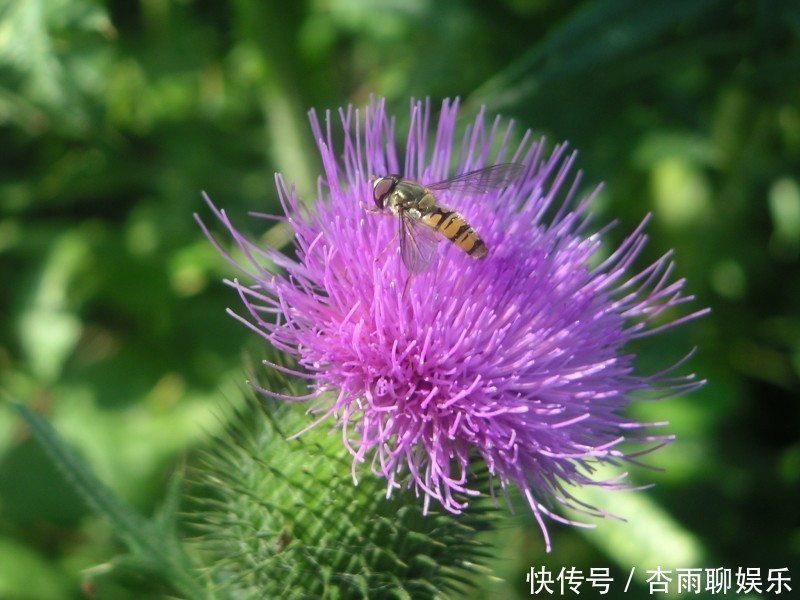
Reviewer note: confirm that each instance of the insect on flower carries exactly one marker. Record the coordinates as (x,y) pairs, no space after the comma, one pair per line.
(421,216)
(524,366)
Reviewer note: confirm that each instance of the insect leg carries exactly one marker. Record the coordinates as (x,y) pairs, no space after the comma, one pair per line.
(386,247)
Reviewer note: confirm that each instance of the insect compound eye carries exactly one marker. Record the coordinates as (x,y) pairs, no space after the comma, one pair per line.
(381,188)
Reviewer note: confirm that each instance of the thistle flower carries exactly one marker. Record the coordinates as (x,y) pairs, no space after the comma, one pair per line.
(517,360)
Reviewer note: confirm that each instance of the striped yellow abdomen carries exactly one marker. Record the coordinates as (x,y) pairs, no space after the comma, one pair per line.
(456,229)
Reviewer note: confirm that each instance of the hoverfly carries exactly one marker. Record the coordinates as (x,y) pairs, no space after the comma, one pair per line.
(421,217)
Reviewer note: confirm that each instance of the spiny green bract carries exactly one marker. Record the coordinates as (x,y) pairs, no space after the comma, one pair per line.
(286,521)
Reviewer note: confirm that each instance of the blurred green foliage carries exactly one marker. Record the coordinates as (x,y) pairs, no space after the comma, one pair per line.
(113,117)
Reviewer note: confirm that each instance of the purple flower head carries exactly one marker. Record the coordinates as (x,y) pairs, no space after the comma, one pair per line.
(516,359)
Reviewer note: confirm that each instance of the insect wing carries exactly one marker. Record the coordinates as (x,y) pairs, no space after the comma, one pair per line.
(417,245)
(482,180)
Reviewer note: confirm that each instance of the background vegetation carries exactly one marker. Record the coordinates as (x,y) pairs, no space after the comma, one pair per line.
(114,116)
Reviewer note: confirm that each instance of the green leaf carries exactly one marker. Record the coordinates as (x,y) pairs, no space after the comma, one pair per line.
(599,33)
(49,327)
(38,39)
(646,535)
(151,547)
(26,574)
